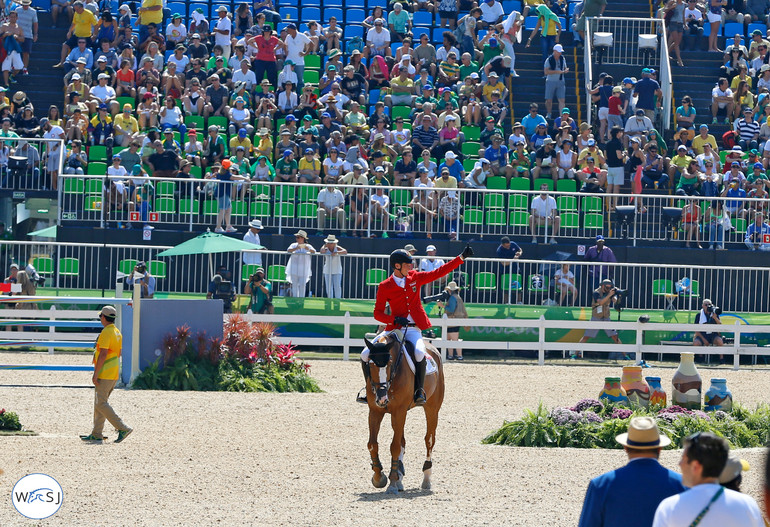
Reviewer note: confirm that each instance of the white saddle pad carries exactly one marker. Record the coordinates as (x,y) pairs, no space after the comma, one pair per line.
(430,369)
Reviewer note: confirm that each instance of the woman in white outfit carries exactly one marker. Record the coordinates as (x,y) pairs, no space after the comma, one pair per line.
(298,271)
(567,160)
(333,266)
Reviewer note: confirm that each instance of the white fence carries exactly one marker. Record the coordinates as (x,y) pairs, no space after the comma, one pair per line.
(637,348)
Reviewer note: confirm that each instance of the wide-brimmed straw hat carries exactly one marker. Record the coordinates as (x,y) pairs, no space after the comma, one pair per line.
(301,233)
(331,239)
(643,434)
(452,286)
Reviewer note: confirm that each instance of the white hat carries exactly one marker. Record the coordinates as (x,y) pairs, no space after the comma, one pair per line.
(450,155)
(430,248)
(558,48)
(255,224)
(330,239)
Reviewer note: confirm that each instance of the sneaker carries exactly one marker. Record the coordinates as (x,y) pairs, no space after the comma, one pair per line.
(714,120)
(534,240)
(450,357)
(231,229)
(25,71)
(122,434)
(553,241)
(219,229)
(459,357)
(91,437)
(514,74)
(727,120)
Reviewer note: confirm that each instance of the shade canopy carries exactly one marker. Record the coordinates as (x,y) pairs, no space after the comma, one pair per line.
(210,243)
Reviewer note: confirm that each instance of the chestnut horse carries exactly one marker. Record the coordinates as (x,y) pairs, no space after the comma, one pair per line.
(391,390)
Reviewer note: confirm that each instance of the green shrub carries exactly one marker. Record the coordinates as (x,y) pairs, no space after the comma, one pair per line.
(9,420)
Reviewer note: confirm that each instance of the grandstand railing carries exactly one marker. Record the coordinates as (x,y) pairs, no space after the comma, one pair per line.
(740,333)
(484,280)
(287,207)
(17,176)
(625,51)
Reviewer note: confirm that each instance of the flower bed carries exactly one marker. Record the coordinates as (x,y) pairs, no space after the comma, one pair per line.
(245,360)
(595,424)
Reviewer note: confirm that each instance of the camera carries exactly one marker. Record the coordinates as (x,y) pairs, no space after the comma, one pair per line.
(140,268)
(441,297)
(712,309)
(257,277)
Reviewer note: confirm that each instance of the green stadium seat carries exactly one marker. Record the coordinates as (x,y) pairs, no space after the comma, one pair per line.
(470,148)
(307,211)
(74,186)
(495,218)
(311,77)
(312,62)
(519,218)
(521,183)
(247,270)
(570,220)
(96,168)
(126,100)
(187,206)
(284,210)
(662,288)
(239,209)
(473,217)
(43,265)
(400,197)
(157,268)
(284,193)
(471,133)
(511,282)
(400,111)
(308,194)
(591,204)
(127,266)
(485,281)
(165,205)
(375,276)
(493,200)
(210,207)
(494,182)
(97,153)
(165,188)
(69,266)
(195,122)
(543,288)
(518,201)
(277,274)
(593,221)
(566,185)
(542,181)
(259,209)
(566,203)
(218,121)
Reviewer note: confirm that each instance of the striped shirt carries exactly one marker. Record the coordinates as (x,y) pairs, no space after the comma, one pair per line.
(425,137)
(747,130)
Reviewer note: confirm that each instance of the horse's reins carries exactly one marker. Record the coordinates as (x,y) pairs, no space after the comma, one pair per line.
(395,366)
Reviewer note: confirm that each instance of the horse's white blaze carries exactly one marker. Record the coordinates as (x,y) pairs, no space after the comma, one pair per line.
(383,375)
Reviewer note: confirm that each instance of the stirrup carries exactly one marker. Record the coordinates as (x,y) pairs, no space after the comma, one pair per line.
(419,397)
(361,397)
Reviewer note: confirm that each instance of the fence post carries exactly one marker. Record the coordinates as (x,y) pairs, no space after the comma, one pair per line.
(541,348)
(736,346)
(135,334)
(639,341)
(52,329)
(444,320)
(346,336)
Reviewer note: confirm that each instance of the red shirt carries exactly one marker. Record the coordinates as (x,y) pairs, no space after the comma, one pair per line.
(266,47)
(405,301)
(615,105)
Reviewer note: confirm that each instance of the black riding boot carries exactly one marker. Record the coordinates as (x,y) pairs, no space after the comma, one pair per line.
(419,382)
(361,397)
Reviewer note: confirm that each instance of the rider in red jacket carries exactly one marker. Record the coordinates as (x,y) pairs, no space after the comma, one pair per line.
(401,291)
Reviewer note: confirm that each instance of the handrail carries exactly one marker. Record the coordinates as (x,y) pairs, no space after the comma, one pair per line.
(588,68)
(665,80)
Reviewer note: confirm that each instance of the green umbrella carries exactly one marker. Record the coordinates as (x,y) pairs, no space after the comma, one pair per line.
(210,243)
(48,232)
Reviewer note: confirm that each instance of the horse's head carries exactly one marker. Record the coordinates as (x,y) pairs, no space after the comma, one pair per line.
(381,357)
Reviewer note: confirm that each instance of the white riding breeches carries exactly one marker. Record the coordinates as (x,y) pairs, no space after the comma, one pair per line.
(413,335)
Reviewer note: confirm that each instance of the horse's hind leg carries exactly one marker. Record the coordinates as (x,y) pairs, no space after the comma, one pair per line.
(379,479)
(431,417)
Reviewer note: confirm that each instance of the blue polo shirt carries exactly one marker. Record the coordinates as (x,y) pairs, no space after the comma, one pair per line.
(646,89)
(456,170)
(496,154)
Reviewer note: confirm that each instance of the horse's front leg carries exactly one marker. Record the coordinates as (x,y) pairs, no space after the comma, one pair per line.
(398,420)
(379,479)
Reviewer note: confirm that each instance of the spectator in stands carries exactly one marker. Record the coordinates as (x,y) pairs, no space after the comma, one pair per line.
(309,168)
(550,29)
(566,160)
(214,147)
(722,99)
(748,130)
(298,270)
(76,159)
(545,161)
(532,120)
(425,55)
(331,204)
(755,234)
(297,45)
(674,13)
(61,7)
(544,212)
(286,168)
(30,153)
(378,40)
(399,22)
(267,8)
(80,55)
(638,127)
(150,12)
(27,20)
(653,173)
(13,40)
(449,212)
(691,222)
(81,29)
(164,162)
(53,150)
(714,220)
(647,89)
(693,25)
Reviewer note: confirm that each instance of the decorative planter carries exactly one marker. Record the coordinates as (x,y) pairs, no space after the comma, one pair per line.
(657,393)
(718,397)
(687,383)
(637,389)
(613,391)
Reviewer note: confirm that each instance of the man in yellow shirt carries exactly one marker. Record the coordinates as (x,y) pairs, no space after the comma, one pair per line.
(679,163)
(241,139)
(151,12)
(126,127)
(702,138)
(83,22)
(109,346)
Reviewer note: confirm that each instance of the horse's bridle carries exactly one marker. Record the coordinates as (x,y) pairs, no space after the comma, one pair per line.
(386,384)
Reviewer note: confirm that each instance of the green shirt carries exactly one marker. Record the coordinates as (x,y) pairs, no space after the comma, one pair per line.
(284,168)
(398,22)
(490,52)
(258,298)
(419,101)
(382,182)
(465,71)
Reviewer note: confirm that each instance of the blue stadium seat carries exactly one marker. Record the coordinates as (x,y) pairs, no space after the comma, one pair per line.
(570,9)
(178,7)
(355,4)
(197,5)
(354,16)
(422,18)
(756,25)
(530,22)
(438,33)
(393,47)
(290,14)
(706,30)
(311,13)
(510,5)
(354,31)
(333,3)
(311,3)
(418,32)
(303,27)
(371,4)
(563,22)
(730,29)
(336,12)
(374,96)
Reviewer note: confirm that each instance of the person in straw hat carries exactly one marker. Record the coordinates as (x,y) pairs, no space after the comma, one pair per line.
(298,270)
(333,252)
(252,236)
(628,496)
(454,308)
(732,475)
(706,503)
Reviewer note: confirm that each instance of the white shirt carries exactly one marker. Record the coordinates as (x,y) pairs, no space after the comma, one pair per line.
(331,198)
(224,24)
(732,509)
(563,278)
(543,207)
(694,13)
(296,45)
(54,133)
(383,200)
(103,92)
(426,264)
(490,14)
(120,171)
(716,92)
(250,78)
(378,39)
(331,168)
(176,33)
(442,52)
(332,262)
(181,64)
(252,258)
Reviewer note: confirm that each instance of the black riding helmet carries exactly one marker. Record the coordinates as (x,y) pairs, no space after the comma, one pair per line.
(399,256)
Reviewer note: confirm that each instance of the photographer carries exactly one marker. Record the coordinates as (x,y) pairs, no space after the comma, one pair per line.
(145,280)
(708,315)
(604,295)
(261,293)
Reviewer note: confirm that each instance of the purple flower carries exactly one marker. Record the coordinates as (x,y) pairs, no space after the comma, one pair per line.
(621,413)
(588,404)
(591,417)
(564,416)
(701,415)
(674,409)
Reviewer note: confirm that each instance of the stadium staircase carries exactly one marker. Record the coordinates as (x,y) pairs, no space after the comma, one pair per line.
(44,85)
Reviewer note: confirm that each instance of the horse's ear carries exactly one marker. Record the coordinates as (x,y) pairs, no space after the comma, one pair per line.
(369,344)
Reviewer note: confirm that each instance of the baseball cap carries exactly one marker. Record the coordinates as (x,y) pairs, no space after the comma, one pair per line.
(430,248)
(309,151)
(558,48)
(591,142)
(599,237)
(286,153)
(242,132)
(108,312)
(759,166)
(735,164)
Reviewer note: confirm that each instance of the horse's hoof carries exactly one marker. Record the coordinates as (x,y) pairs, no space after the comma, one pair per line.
(381,482)
(425,485)
(392,490)
(400,486)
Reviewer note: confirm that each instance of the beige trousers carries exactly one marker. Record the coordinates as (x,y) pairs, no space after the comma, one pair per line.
(103,410)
